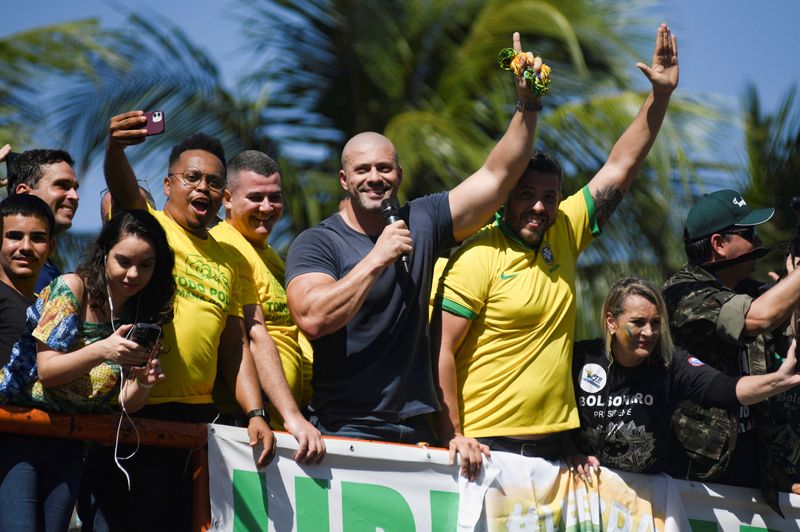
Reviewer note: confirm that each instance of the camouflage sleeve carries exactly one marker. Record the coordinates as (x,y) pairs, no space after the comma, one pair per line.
(732,315)
(694,310)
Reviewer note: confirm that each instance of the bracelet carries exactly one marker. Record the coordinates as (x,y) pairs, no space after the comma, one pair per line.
(143,385)
(535,105)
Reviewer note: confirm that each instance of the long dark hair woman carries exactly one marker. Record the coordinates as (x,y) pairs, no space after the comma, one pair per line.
(75,357)
(628,383)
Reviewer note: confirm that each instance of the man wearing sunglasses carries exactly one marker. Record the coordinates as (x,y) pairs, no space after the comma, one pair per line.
(730,322)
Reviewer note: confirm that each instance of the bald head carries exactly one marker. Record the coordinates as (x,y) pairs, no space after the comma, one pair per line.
(363,142)
(370,173)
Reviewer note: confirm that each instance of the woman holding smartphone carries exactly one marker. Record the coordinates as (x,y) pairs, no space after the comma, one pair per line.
(75,357)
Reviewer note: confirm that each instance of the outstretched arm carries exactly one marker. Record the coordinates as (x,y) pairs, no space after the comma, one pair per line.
(774,306)
(124,130)
(614,179)
(474,200)
(755,388)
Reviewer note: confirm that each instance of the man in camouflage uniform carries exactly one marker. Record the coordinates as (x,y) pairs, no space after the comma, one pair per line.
(726,319)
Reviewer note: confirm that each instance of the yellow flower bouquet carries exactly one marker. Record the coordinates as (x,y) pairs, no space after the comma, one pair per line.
(535,71)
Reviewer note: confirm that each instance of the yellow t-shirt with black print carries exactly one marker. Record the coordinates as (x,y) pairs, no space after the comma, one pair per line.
(514,365)
(210,286)
(268,274)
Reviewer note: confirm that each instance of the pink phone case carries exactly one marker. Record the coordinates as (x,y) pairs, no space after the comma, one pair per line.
(155,122)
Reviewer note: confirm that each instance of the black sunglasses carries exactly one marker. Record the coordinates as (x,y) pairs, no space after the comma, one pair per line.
(748,233)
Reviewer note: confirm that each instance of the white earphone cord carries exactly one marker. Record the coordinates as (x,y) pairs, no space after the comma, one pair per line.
(124,413)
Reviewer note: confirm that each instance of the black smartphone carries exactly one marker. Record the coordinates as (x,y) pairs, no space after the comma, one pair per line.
(145,334)
(155,122)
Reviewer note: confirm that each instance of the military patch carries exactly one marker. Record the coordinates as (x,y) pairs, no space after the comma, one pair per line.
(547,254)
(593,378)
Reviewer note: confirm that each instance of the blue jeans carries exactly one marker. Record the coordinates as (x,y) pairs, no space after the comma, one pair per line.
(410,430)
(39,479)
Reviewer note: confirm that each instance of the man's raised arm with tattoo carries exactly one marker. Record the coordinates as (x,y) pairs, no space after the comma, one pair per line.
(507,298)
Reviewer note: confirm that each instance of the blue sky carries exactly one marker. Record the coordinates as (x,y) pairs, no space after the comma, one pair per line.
(723,44)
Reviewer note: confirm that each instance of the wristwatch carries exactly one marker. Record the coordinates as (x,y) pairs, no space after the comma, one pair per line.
(535,105)
(257,412)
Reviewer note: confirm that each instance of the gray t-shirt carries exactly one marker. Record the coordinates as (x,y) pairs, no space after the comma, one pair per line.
(377,367)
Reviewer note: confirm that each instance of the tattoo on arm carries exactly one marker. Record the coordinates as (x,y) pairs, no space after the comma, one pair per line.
(605,202)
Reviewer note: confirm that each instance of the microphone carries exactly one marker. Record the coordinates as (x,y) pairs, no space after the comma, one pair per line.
(390,209)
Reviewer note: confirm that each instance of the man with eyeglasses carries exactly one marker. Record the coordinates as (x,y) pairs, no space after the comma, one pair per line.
(731,323)
(214,298)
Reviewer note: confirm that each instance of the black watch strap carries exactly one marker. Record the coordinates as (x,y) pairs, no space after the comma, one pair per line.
(535,105)
(257,412)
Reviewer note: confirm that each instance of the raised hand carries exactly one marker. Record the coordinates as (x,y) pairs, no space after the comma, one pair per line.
(787,370)
(4,151)
(523,85)
(663,74)
(126,129)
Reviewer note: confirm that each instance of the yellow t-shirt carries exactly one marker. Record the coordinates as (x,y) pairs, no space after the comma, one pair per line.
(514,365)
(210,286)
(268,274)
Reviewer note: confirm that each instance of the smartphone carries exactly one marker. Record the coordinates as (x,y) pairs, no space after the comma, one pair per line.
(145,334)
(155,122)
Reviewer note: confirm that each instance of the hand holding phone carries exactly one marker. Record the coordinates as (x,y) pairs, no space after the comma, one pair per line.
(145,334)
(155,122)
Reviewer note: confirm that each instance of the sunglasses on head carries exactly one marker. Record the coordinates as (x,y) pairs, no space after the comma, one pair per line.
(748,233)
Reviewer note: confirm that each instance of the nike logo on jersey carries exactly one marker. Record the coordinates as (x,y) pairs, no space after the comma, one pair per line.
(504,276)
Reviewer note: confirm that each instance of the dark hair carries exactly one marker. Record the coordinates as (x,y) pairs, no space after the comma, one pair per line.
(155,301)
(198,141)
(250,161)
(27,205)
(699,251)
(27,167)
(545,164)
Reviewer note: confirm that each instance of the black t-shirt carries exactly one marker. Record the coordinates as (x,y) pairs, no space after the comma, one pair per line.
(12,319)
(377,367)
(625,412)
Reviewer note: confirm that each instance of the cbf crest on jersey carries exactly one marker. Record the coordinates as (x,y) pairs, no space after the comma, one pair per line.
(547,254)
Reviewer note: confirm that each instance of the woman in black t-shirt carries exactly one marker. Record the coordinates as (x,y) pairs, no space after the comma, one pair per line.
(628,383)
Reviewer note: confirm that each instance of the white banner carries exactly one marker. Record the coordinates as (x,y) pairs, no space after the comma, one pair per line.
(367,486)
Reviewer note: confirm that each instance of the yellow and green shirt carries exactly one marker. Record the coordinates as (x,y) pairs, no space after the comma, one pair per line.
(268,275)
(514,365)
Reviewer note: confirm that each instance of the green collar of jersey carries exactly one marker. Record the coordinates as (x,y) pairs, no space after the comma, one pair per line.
(510,234)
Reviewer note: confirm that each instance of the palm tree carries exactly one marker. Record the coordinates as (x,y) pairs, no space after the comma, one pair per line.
(773,164)
(29,58)
(424,74)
